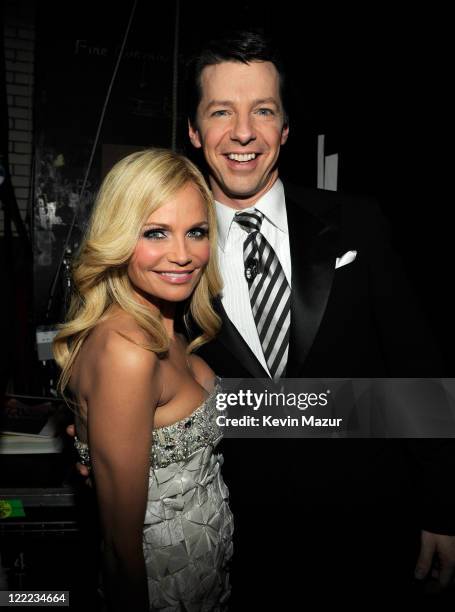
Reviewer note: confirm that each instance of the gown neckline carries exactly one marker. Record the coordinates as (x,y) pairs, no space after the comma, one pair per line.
(196,410)
(183,420)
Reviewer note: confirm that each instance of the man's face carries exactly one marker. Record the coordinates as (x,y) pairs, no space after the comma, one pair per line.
(240,127)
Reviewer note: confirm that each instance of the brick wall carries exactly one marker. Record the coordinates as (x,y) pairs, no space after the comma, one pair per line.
(19,41)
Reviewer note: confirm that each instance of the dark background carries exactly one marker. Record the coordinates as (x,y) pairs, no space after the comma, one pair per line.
(373,80)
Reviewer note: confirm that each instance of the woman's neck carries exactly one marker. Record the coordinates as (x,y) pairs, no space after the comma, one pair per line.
(167,312)
(163,308)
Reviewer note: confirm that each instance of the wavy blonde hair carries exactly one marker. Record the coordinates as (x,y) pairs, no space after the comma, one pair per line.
(134,188)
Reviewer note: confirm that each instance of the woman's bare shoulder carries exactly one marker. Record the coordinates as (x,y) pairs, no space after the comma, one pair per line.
(117,340)
(112,332)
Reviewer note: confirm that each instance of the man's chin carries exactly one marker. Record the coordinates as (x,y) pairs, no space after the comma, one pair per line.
(246,190)
(241,192)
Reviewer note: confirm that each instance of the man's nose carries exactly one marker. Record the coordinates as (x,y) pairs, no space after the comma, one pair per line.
(243,128)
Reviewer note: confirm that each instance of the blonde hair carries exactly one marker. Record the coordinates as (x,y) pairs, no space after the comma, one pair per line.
(134,188)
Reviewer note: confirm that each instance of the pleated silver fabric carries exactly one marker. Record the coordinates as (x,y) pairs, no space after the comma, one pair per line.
(188,524)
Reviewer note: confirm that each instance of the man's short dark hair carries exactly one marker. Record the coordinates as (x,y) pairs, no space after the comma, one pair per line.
(234,46)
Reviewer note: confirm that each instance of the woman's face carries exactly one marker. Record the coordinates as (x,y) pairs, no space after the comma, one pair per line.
(173,249)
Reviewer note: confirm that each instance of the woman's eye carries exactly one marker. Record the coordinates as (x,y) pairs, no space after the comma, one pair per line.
(198,233)
(154,234)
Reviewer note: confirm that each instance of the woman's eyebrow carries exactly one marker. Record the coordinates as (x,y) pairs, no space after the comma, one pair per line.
(165,226)
(160,225)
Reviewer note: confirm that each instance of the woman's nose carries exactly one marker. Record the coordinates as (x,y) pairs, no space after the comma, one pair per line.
(180,253)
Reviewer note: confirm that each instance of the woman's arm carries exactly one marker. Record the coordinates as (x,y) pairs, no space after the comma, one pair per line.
(121,403)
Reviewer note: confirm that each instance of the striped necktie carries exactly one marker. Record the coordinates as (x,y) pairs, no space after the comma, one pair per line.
(270,294)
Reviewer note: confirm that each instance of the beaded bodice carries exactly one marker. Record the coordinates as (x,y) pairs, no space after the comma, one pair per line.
(178,441)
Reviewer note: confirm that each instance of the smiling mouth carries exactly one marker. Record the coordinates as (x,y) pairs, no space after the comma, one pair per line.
(242,157)
(176,273)
(181,276)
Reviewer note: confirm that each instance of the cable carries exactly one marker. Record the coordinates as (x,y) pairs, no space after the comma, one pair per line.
(92,155)
(175,75)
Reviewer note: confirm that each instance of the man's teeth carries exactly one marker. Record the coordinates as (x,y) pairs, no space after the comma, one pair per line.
(242,157)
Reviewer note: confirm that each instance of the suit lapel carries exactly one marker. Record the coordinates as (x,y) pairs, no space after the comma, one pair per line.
(313,246)
(233,342)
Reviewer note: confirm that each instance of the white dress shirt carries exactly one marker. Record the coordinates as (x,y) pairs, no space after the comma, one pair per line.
(235,296)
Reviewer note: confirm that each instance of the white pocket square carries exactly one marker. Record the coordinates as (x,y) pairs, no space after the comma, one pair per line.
(345,259)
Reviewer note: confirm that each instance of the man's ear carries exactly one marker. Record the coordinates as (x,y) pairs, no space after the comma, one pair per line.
(193,134)
(284,133)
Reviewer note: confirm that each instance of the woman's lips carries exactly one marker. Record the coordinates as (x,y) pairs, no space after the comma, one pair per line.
(176,278)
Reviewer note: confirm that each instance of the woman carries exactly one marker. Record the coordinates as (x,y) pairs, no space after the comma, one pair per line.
(146,406)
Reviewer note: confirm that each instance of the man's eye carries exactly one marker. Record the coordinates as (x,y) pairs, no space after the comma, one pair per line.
(198,233)
(219,113)
(154,234)
(266,112)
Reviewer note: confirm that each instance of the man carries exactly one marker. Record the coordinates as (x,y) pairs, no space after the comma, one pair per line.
(312,513)
(332,518)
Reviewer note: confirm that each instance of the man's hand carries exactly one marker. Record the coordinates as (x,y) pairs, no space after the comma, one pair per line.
(437,555)
(83,470)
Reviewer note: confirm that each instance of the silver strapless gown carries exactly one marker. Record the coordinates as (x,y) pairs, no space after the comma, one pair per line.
(188,525)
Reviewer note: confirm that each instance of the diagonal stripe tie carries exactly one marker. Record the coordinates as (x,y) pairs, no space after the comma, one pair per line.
(270,294)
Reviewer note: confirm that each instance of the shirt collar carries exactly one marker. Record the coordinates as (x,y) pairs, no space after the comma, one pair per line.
(271,204)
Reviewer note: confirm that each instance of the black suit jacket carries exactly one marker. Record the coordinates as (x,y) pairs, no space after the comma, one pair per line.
(360,320)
